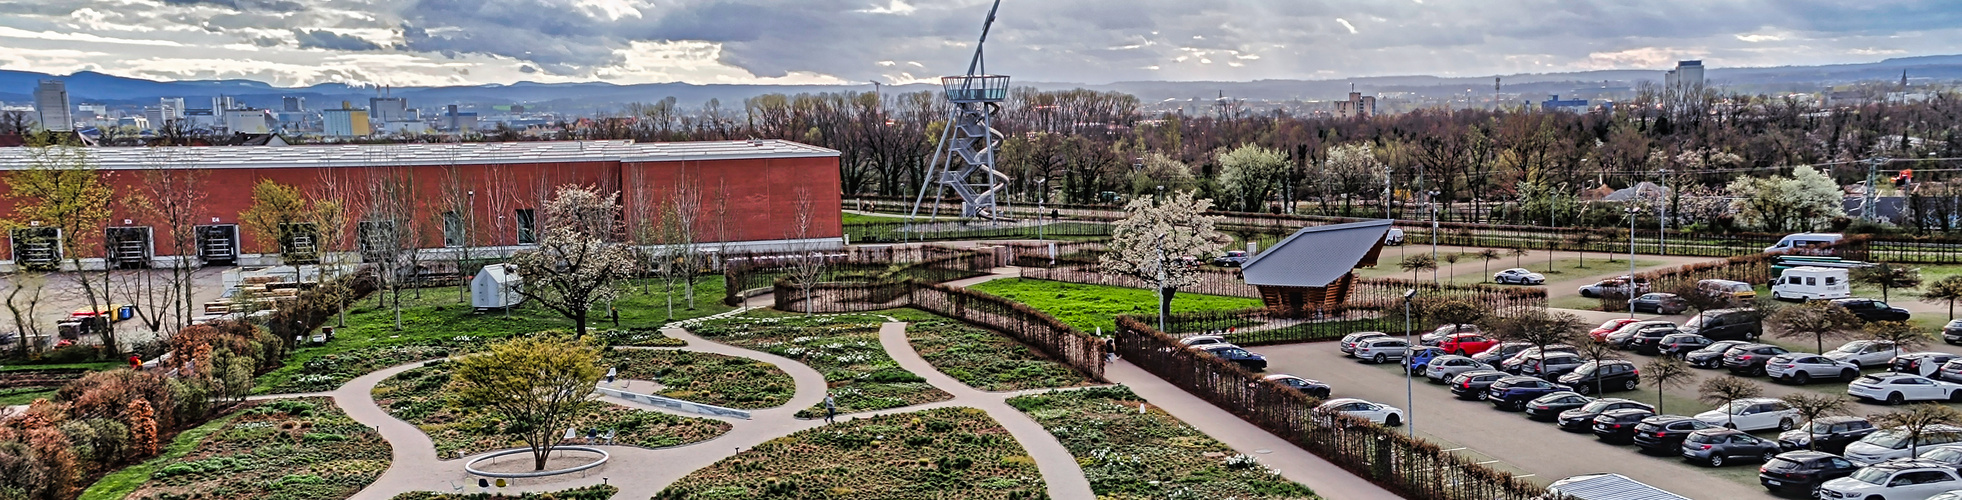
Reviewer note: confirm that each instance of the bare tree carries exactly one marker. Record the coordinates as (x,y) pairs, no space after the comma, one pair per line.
(1916,421)
(458,202)
(1722,391)
(61,189)
(808,262)
(25,290)
(686,204)
(336,207)
(172,194)
(1667,372)
(575,265)
(1812,407)
(389,233)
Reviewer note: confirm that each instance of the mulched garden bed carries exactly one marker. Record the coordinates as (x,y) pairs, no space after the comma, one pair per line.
(844,348)
(288,449)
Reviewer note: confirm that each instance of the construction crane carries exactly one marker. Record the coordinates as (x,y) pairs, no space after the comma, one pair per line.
(965,159)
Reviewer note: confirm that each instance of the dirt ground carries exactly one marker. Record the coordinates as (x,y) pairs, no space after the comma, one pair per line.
(62,294)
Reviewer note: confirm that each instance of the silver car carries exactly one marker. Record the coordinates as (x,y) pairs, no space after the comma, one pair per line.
(1381,350)
(1349,341)
(1801,368)
(1442,368)
(1865,353)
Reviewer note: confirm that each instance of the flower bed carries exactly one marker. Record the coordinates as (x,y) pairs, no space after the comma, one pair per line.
(986,360)
(280,449)
(939,453)
(705,378)
(844,348)
(595,492)
(418,397)
(638,337)
(1127,454)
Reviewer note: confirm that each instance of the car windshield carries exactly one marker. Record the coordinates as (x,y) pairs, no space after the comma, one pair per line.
(1705,438)
(1584,370)
(1820,427)
(1694,323)
(1597,406)
(1890,439)
(1944,454)
(1855,346)
(1871,475)
(1737,407)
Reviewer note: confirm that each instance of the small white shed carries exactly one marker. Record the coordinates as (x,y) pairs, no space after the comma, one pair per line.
(496,287)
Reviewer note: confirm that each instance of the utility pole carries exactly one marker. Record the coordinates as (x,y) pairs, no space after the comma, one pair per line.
(1662,217)
(1872,191)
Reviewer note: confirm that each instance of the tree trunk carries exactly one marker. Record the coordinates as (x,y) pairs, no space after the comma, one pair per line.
(1165,304)
(579,323)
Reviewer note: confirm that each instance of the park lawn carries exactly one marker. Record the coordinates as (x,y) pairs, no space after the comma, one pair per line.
(938,453)
(95,366)
(281,449)
(845,348)
(1126,453)
(594,492)
(439,325)
(119,484)
(418,396)
(714,379)
(1093,307)
(857,218)
(986,360)
(25,395)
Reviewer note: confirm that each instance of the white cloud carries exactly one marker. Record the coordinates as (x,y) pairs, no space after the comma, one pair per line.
(1755,38)
(895,7)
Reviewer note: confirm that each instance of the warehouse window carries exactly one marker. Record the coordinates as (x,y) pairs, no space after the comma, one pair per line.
(37,248)
(527,226)
(299,243)
(376,239)
(452,229)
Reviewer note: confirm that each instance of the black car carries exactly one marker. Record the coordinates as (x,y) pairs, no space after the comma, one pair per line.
(1548,407)
(1618,426)
(1231,259)
(1663,434)
(1716,447)
(1649,340)
(1872,310)
(1679,344)
(1925,364)
(1828,434)
(1500,353)
(1472,384)
(1750,359)
(1252,362)
(1952,332)
(1603,376)
(1803,471)
(1660,303)
(1726,324)
(1711,356)
(1581,419)
(1513,392)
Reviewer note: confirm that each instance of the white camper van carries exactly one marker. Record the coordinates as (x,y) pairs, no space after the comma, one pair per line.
(1811,283)
(1803,240)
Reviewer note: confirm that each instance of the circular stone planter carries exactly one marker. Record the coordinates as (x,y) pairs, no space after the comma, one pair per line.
(471,466)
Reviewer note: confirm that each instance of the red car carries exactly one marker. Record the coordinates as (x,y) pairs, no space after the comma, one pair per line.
(1466,344)
(1600,333)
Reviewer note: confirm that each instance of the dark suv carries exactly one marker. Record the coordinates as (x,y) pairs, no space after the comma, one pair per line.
(1872,310)
(1829,434)
(1726,324)
(1676,345)
(1750,359)
(1512,393)
(1712,356)
(1618,426)
(1472,384)
(1252,362)
(1952,332)
(1803,471)
(1663,434)
(1605,375)
(1581,419)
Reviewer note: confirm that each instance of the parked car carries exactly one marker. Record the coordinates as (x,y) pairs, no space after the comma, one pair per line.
(1549,367)
(1418,358)
(1897,388)
(1616,285)
(1952,332)
(1898,479)
(1374,412)
(1438,335)
(1753,414)
(1865,353)
(1801,368)
(1250,361)
(1535,351)
(1620,338)
(1602,376)
(1394,237)
(1872,310)
(1664,433)
(1349,341)
(1307,386)
(1649,340)
(1829,434)
(1600,333)
(1715,447)
(1800,243)
(1678,344)
(1502,352)
(1926,363)
(1660,303)
(1750,359)
(1443,368)
(1466,344)
(1472,384)
(1512,393)
(1231,259)
(1618,426)
(1803,471)
(1889,444)
(1549,407)
(1519,276)
(1950,371)
(1381,350)
(1737,290)
(1711,356)
(1581,419)
(1726,324)
(1202,340)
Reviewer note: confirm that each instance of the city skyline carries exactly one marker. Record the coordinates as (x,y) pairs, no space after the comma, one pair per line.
(441,42)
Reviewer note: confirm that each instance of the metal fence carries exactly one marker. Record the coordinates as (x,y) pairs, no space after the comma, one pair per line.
(934,264)
(1412,468)
(898,232)
(1055,339)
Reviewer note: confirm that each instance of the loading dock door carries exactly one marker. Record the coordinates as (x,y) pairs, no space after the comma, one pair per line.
(218,244)
(129,247)
(37,248)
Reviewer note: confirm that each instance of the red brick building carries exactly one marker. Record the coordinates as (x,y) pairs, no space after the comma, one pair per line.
(760,181)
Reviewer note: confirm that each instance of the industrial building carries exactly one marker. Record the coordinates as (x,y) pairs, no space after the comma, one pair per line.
(1686,79)
(51,104)
(760,181)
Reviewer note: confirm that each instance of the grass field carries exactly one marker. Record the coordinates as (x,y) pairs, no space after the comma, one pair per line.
(1090,307)
(845,348)
(984,359)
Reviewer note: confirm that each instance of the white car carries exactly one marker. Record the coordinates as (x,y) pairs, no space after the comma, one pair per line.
(1349,341)
(1442,368)
(1801,368)
(1896,388)
(1202,340)
(1381,350)
(1753,414)
(1912,479)
(1519,276)
(1379,413)
(1865,353)
(1394,237)
(1889,444)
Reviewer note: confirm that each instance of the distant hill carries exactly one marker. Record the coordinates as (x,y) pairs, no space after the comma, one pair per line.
(115,90)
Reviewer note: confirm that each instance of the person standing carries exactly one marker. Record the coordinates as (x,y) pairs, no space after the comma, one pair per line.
(830,408)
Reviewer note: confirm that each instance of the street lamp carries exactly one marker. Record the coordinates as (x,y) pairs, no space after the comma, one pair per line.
(1632,210)
(1409,394)
(1432,201)
(1041,194)
(1662,217)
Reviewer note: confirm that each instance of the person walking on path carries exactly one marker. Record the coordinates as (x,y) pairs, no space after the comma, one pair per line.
(1110,349)
(830,408)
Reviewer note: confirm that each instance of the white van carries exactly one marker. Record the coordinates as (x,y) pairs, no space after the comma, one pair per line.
(1394,237)
(1811,283)
(1803,240)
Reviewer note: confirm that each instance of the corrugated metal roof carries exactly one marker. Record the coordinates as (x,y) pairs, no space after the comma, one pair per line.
(1315,256)
(478,153)
(1613,487)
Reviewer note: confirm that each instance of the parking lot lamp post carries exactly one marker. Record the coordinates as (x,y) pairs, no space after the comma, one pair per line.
(1409,394)
(1041,193)
(1662,217)
(1632,211)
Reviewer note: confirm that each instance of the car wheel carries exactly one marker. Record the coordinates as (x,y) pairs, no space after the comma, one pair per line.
(1461,352)
(1802,378)
(1785,425)
(1629,385)
(1716,460)
(1894,398)
(1380,358)
(1767,456)
(1848,375)
(1392,421)
(1584,389)
(1730,425)
(1856,365)
(1955,397)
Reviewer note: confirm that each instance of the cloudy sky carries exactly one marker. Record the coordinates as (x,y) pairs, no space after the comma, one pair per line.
(463,42)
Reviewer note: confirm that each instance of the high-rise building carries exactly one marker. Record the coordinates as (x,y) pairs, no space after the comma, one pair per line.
(51,104)
(173,108)
(388,109)
(293,104)
(223,103)
(458,122)
(1358,106)
(1686,79)
(345,122)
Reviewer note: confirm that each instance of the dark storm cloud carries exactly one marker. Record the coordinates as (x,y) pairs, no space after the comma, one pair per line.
(244,5)
(323,39)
